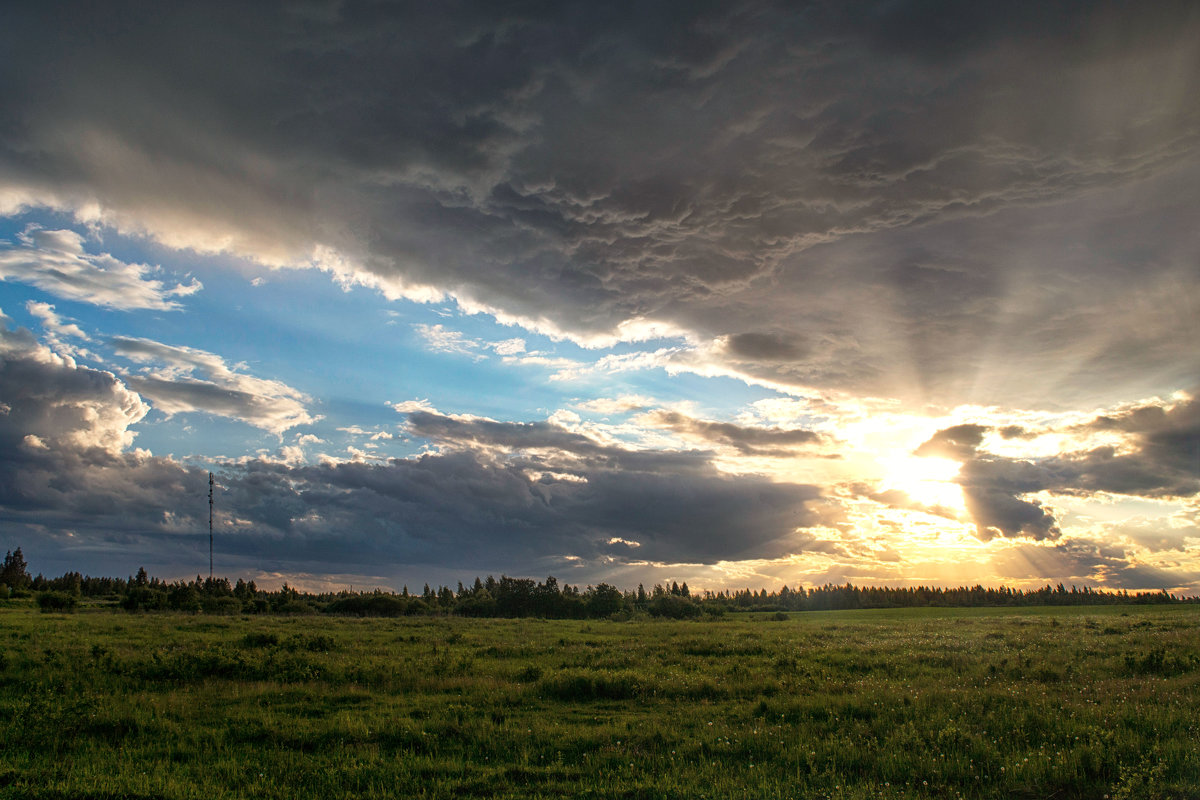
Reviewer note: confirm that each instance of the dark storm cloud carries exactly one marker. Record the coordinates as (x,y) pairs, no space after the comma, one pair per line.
(68,482)
(752,171)
(455,509)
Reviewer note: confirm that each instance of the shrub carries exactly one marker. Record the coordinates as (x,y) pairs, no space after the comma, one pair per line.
(260,640)
(56,601)
(1159,662)
(143,598)
(529,674)
(257,605)
(674,607)
(298,607)
(370,605)
(221,605)
(182,597)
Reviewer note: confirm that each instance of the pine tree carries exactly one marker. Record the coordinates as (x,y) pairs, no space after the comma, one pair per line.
(15,573)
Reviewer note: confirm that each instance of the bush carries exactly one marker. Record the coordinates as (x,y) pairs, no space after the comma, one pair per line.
(370,605)
(674,606)
(1159,662)
(260,640)
(56,601)
(221,605)
(182,597)
(298,607)
(143,598)
(257,605)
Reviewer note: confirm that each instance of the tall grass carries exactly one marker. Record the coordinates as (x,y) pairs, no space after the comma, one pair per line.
(977,703)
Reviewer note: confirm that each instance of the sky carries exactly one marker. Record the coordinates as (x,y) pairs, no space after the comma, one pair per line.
(737,293)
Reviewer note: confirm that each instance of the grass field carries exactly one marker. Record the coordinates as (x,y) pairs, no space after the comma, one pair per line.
(976,703)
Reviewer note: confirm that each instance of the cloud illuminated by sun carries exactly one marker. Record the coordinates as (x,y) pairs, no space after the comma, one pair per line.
(929,481)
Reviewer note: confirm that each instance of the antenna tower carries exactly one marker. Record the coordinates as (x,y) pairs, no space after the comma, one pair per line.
(210,538)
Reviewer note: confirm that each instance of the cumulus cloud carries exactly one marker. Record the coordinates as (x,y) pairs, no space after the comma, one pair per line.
(55,262)
(505,496)
(61,405)
(1158,457)
(1161,457)
(184,379)
(958,442)
(408,406)
(53,323)
(508,347)
(59,332)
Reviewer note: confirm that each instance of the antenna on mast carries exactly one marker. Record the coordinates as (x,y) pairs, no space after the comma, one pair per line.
(210,536)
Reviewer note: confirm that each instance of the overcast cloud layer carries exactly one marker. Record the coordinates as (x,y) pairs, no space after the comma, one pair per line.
(918,236)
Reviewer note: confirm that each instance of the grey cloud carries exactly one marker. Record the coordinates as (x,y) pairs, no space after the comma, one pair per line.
(765,347)
(858,175)
(547,444)
(457,509)
(61,405)
(1161,458)
(1158,535)
(65,473)
(55,261)
(1088,562)
(516,435)
(468,508)
(958,442)
(896,498)
(993,487)
(189,395)
(183,379)
(747,440)
(992,492)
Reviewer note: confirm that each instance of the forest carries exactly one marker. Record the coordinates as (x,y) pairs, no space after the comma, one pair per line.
(510,597)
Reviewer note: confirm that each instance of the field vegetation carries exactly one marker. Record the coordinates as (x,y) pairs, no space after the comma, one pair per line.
(1027,702)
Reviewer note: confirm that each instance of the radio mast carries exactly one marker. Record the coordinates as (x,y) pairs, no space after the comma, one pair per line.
(210,538)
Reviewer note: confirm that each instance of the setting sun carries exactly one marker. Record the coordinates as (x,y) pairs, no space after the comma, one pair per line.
(929,481)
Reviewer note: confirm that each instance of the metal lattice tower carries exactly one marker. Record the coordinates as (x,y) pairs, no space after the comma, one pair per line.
(210,535)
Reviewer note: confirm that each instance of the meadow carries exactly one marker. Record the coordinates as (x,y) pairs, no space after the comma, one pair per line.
(1054,702)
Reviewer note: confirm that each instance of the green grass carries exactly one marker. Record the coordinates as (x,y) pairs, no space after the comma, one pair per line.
(938,703)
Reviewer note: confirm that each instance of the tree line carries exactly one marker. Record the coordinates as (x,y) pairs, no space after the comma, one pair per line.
(524,597)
